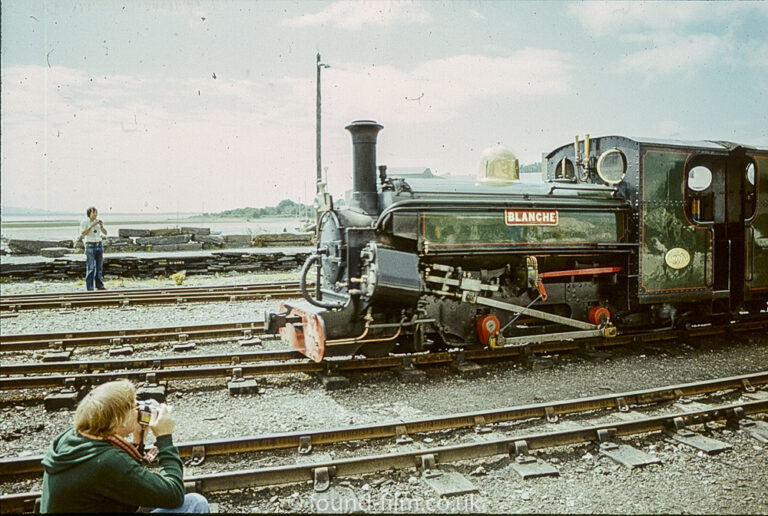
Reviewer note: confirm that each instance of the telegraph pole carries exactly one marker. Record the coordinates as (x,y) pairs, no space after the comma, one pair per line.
(320,66)
(318,189)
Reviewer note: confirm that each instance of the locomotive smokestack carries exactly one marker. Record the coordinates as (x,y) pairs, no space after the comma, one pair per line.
(364,197)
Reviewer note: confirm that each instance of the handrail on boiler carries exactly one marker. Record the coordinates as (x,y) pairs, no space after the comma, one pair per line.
(614,191)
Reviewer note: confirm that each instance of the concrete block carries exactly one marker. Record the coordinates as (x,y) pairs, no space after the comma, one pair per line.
(164,239)
(410,374)
(63,400)
(238,238)
(119,351)
(245,385)
(130,233)
(450,484)
(151,392)
(55,252)
(164,232)
(34,246)
(196,231)
(332,383)
(57,356)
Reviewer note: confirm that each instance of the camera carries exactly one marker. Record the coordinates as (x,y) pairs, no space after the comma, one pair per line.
(145,410)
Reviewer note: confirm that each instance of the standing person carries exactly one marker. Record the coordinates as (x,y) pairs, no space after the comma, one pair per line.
(91,230)
(94,468)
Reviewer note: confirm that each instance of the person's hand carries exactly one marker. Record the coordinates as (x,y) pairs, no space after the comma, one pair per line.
(162,421)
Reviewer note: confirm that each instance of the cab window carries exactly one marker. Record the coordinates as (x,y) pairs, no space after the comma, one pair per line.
(698,193)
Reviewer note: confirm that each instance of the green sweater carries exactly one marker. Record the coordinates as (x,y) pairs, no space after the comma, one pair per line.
(89,475)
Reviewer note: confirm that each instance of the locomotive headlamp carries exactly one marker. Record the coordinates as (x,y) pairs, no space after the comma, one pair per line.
(612,166)
(498,165)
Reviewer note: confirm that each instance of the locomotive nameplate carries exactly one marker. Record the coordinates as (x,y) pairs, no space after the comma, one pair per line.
(677,258)
(531,217)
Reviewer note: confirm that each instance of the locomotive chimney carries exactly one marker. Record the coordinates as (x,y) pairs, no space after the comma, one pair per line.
(364,197)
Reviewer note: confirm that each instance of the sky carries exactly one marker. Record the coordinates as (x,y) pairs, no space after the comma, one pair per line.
(156,106)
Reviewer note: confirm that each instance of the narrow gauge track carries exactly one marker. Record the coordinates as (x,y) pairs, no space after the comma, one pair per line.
(291,362)
(38,341)
(440,455)
(147,296)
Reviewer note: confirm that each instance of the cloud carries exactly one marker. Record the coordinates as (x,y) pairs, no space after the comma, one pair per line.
(621,18)
(69,139)
(674,37)
(354,15)
(668,129)
(610,18)
(72,139)
(437,90)
(671,54)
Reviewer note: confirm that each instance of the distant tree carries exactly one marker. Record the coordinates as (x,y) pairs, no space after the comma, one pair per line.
(285,208)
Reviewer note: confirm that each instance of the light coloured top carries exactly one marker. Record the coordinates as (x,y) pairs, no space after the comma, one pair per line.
(94,235)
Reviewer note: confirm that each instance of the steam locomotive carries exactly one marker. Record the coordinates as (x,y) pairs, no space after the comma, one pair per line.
(623,234)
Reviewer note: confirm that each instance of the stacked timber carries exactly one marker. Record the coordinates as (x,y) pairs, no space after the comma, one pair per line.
(116,266)
(283,240)
(165,240)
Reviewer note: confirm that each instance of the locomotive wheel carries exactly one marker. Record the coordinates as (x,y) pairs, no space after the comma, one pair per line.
(376,349)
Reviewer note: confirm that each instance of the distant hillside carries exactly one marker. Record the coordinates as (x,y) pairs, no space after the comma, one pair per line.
(285,208)
(15,211)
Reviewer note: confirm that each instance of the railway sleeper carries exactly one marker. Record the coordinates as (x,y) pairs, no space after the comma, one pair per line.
(57,356)
(408,373)
(623,454)
(528,466)
(152,389)
(445,483)
(466,368)
(240,384)
(66,398)
(757,429)
(684,435)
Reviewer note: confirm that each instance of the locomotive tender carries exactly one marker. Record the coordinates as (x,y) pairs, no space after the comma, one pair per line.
(623,234)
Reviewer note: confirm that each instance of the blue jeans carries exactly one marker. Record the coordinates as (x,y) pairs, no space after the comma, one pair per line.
(94,262)
(193,503)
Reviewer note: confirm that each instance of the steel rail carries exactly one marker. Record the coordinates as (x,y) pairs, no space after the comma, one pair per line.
(360,364)
(149,362)
(120,300)
(148,290)
(442,455)
(30,342)
(550,410)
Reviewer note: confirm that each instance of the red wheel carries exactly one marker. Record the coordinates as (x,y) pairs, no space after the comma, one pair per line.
(599,315)
(487,325)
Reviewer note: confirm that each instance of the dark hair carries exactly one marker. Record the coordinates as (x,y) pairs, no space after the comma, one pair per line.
(89,210)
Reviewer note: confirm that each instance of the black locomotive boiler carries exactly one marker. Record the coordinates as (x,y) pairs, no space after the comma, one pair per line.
(622,234)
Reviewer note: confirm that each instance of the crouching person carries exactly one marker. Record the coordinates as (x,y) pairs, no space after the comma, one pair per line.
(94,468)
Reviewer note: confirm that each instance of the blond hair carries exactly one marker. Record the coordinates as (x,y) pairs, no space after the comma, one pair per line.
(105,409)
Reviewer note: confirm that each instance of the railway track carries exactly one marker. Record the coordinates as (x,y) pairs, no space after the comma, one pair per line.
(68,340)
(149,296)
(164,369)
(321,472)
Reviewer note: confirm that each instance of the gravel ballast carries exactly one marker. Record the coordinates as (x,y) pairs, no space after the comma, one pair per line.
(686,481)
